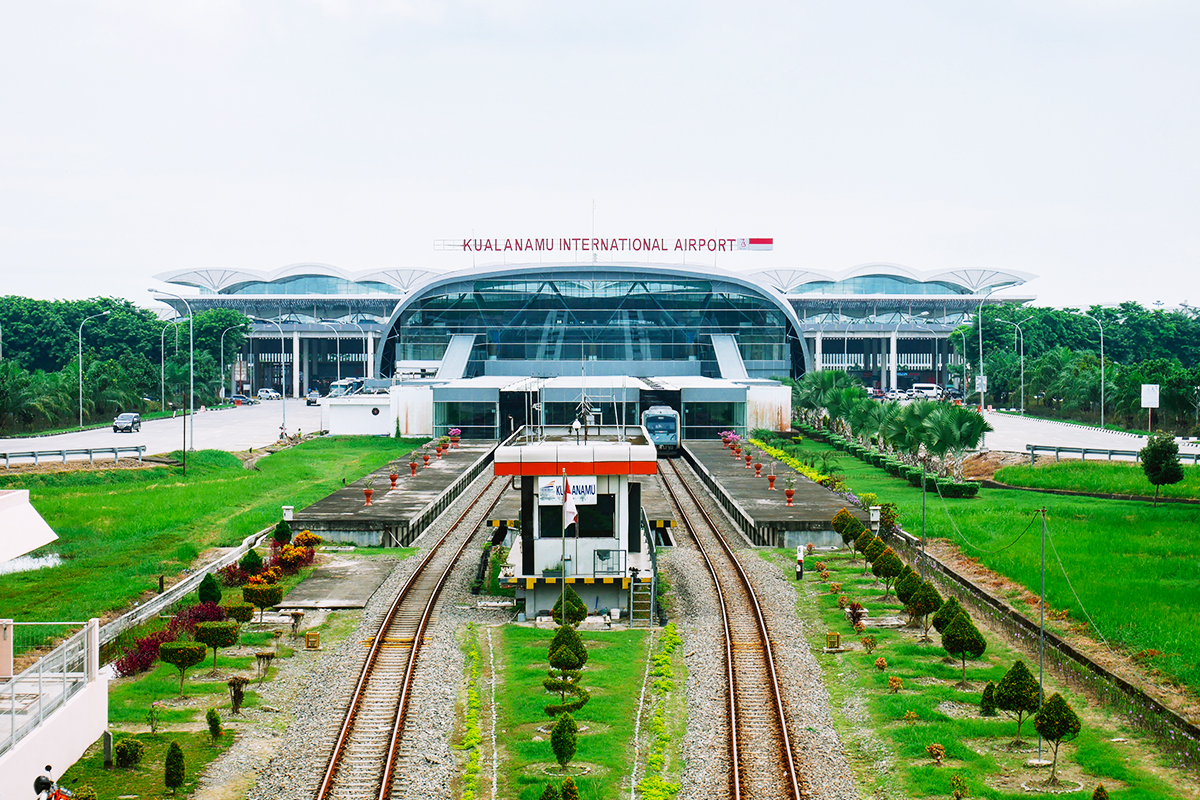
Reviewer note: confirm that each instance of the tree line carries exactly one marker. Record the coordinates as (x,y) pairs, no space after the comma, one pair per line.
(1062,361)
(132,360)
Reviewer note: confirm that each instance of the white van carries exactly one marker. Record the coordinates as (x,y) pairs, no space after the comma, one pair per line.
(930,391)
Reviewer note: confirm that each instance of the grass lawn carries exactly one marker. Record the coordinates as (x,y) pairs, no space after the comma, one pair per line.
(1135,569)
(872,721)
(613,675)
(145,781)
(119,530)
(1108,477)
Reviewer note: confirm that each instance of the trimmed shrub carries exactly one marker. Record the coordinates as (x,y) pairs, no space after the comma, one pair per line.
(143,654)
(875,549)
(1057,722)
(576,609)
(173,770)
(1018,693)
(210,590)
(262,596)
(127,753)
(566,636)
(233,576)
(182,656)
(954,489)
(841,519)
(550,793)
(564,739)
(242,612)
(282,534)
(987,705)
(907,586)
(237,692)
(214,724)
(887,566)
(570,790)
(946,614)
(924,601)
(251,563)
(307,539)
(217,635)
(1100,793)
(963,640)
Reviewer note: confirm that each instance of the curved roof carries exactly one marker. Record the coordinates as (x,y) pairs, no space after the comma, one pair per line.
(971,280)
(593,271)
(221,280)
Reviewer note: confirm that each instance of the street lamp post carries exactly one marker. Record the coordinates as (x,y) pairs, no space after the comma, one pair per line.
(85,319)
(282,357)
(1020,335)
(1101,326)
(366,366)
(191,368)
(231,327)
(966,363)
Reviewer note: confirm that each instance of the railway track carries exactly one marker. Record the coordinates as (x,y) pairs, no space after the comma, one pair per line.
(367,747)
(762,764)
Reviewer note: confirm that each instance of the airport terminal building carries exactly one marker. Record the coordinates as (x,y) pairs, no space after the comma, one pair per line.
(477,348)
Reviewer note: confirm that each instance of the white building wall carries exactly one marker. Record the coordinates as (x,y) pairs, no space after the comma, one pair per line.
(414,410)
(768,407)
(361,415)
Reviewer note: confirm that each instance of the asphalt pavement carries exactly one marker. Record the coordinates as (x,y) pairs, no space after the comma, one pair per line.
(1013,433)
(230,429)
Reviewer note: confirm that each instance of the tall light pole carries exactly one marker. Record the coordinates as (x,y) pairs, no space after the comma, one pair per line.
(366,366)
(1101,326)
(1020,334)
(337,341)
(231,327)
(191,368)
(966,363)
(982,371)
(85,319)
(282,358)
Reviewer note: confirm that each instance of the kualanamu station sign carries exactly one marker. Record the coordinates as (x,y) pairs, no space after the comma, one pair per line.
(594,244)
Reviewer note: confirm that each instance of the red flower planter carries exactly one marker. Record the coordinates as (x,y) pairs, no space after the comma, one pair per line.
(367,494)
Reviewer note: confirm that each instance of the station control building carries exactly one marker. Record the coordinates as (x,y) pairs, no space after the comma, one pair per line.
(489,348)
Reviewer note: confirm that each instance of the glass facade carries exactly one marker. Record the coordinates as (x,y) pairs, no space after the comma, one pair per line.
(475,420)
(706,420)
(572,319)
(311,284)
(880,284)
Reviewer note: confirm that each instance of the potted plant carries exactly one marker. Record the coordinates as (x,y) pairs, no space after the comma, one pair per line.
(771,478)
(369,489)
(413,462)
(455,437)
(749,457)
(726,438)
(443,444)
(425,456)
(789,488)
(758,468)
(393,473)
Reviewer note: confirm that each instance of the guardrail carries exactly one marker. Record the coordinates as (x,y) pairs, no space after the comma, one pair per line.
(90,452)
(54,679)
(1084,452)
(1140,710)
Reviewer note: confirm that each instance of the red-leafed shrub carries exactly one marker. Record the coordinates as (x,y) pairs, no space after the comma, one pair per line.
(143,654)
(232,575)
(291,558)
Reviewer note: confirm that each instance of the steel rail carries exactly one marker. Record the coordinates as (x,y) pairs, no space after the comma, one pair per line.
(789,766)
(377,645)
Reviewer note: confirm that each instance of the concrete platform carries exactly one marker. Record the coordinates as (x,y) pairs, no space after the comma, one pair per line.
(342,584)
(764,515)
(396,517)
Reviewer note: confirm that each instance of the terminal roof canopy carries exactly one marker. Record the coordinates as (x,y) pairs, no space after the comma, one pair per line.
(22,529)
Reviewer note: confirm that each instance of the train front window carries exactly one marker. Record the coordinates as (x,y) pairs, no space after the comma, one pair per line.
(660,424)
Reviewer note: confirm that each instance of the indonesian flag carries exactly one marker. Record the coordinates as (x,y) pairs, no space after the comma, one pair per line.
(755,244)
(570,513)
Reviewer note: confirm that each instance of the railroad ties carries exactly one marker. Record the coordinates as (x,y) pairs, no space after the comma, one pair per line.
(761,759)
(364,758)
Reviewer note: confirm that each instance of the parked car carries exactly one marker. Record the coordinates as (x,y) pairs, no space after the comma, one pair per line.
(127,422)
(312,398)
(245,400)
(896,394)
(268,394)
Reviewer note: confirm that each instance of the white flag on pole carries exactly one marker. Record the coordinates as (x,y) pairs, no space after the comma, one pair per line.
(570,513)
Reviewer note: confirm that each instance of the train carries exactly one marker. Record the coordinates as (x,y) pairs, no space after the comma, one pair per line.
(662,423)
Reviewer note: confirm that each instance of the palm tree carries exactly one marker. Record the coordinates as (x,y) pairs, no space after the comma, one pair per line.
(950,431)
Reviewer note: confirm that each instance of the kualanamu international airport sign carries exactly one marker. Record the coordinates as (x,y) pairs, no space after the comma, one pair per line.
(596,244)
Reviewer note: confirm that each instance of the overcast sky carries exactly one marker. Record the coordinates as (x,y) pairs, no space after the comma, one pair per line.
(1057,137)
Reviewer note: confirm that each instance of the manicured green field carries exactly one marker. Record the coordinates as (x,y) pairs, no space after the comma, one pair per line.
(1105,477)
(119,530)
(1133,568)
(145,781)
(871,718)
(613,675)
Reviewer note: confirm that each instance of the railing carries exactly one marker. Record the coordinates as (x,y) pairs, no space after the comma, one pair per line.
(1084,452)
(31,696)
(90,452)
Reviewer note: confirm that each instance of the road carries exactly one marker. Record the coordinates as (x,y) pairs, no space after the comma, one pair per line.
(229,429)
(1013,433)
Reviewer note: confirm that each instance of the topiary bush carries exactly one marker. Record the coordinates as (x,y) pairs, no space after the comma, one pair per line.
(576,609)
(251,563)
(946,614)
(564,739)
(550,793)
(1057,722)
(262,596)
(924,601)
(841,519)
(282,534)
(963,640)
(987,705)
(210,589)
(307,539)
(213,719)
(242,612)
(127,753)
(182,656)
(1018,693)
(217,635)
(907,586)
(569,790)
(954,489)
(173,770)
(887,567)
